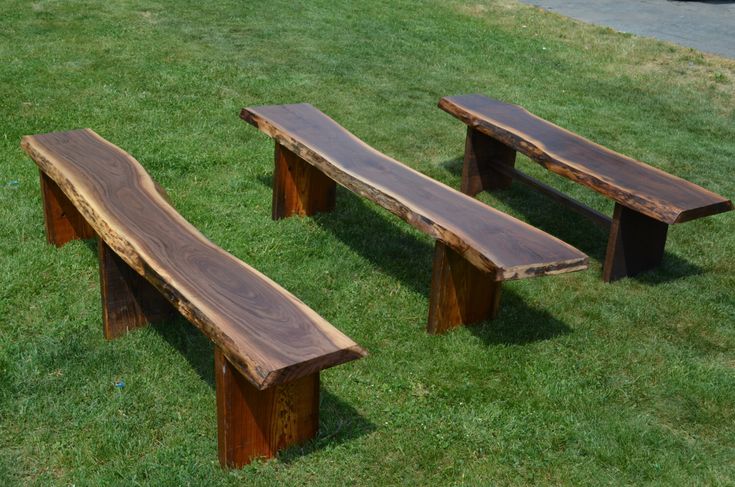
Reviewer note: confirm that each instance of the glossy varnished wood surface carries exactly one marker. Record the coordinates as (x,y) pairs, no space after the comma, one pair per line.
(491,240)
(266,332)
(631,183)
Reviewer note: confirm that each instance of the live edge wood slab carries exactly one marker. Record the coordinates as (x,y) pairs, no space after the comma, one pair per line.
(269,346)
(477,247)
(647,200)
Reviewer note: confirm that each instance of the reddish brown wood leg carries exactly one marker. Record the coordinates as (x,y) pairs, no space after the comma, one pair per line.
(636,244)
(299,188)
(256,424)
(482,156)
(63,221)
(128,300)
(460,294)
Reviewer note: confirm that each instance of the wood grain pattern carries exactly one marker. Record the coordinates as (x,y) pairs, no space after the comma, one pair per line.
(635,185)
(253,423)
(636,244)
(128,300)
(62,221)
(492,241)
(268,334)
(484,159)
(298,187)
(460,293)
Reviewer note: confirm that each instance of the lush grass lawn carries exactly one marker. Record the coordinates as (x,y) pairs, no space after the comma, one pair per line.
(577,382)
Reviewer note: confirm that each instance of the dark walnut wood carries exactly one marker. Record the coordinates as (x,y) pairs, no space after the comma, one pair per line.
(491,240)
(128,300)
(631,183)
(484,161)
(299,188)
(654,196)
(270,346)
(269,334)
(494,245)
(63,222)
(253,423)
(636,244)
(460,292)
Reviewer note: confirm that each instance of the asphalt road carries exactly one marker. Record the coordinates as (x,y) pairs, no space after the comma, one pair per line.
(705,25)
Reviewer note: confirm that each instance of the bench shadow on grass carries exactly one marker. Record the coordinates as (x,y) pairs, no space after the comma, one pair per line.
(339,422)
(563,223)
(398,251)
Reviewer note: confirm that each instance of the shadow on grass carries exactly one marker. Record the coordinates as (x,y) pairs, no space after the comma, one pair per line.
(561,222)
(518,324)
(397,250)
(339,422)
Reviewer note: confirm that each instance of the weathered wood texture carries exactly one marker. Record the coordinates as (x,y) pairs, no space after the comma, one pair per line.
(461,294)
(253,423)
(299,188)
(268,334)
(492,241)
(63,222)
(128,300)
(635,185)
(636,244)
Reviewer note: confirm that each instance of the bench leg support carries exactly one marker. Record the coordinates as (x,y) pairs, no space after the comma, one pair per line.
(256,424)
(636,244)
(299,188)
(482,156)
(128,300)
(62,220)
(460,293)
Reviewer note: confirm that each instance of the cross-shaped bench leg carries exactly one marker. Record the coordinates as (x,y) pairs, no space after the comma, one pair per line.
(636,244)
(256,424)
(128,300)
(461,294)
(63,221)
(482,157)
(298,187)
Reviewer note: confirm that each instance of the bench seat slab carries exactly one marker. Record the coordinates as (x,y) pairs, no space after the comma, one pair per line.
(492,240)
(266,331)
(638,186)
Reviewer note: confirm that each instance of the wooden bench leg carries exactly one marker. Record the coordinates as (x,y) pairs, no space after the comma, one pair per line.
(636,244)
(461,294)
(256,424)
(128,300)
(299,188)
(63,221)
(482,156)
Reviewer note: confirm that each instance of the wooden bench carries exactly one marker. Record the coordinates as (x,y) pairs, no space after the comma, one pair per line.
(647,200)
(269,346)
(477,247)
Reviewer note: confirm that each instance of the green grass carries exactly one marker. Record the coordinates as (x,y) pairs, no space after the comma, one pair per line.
(577,382)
